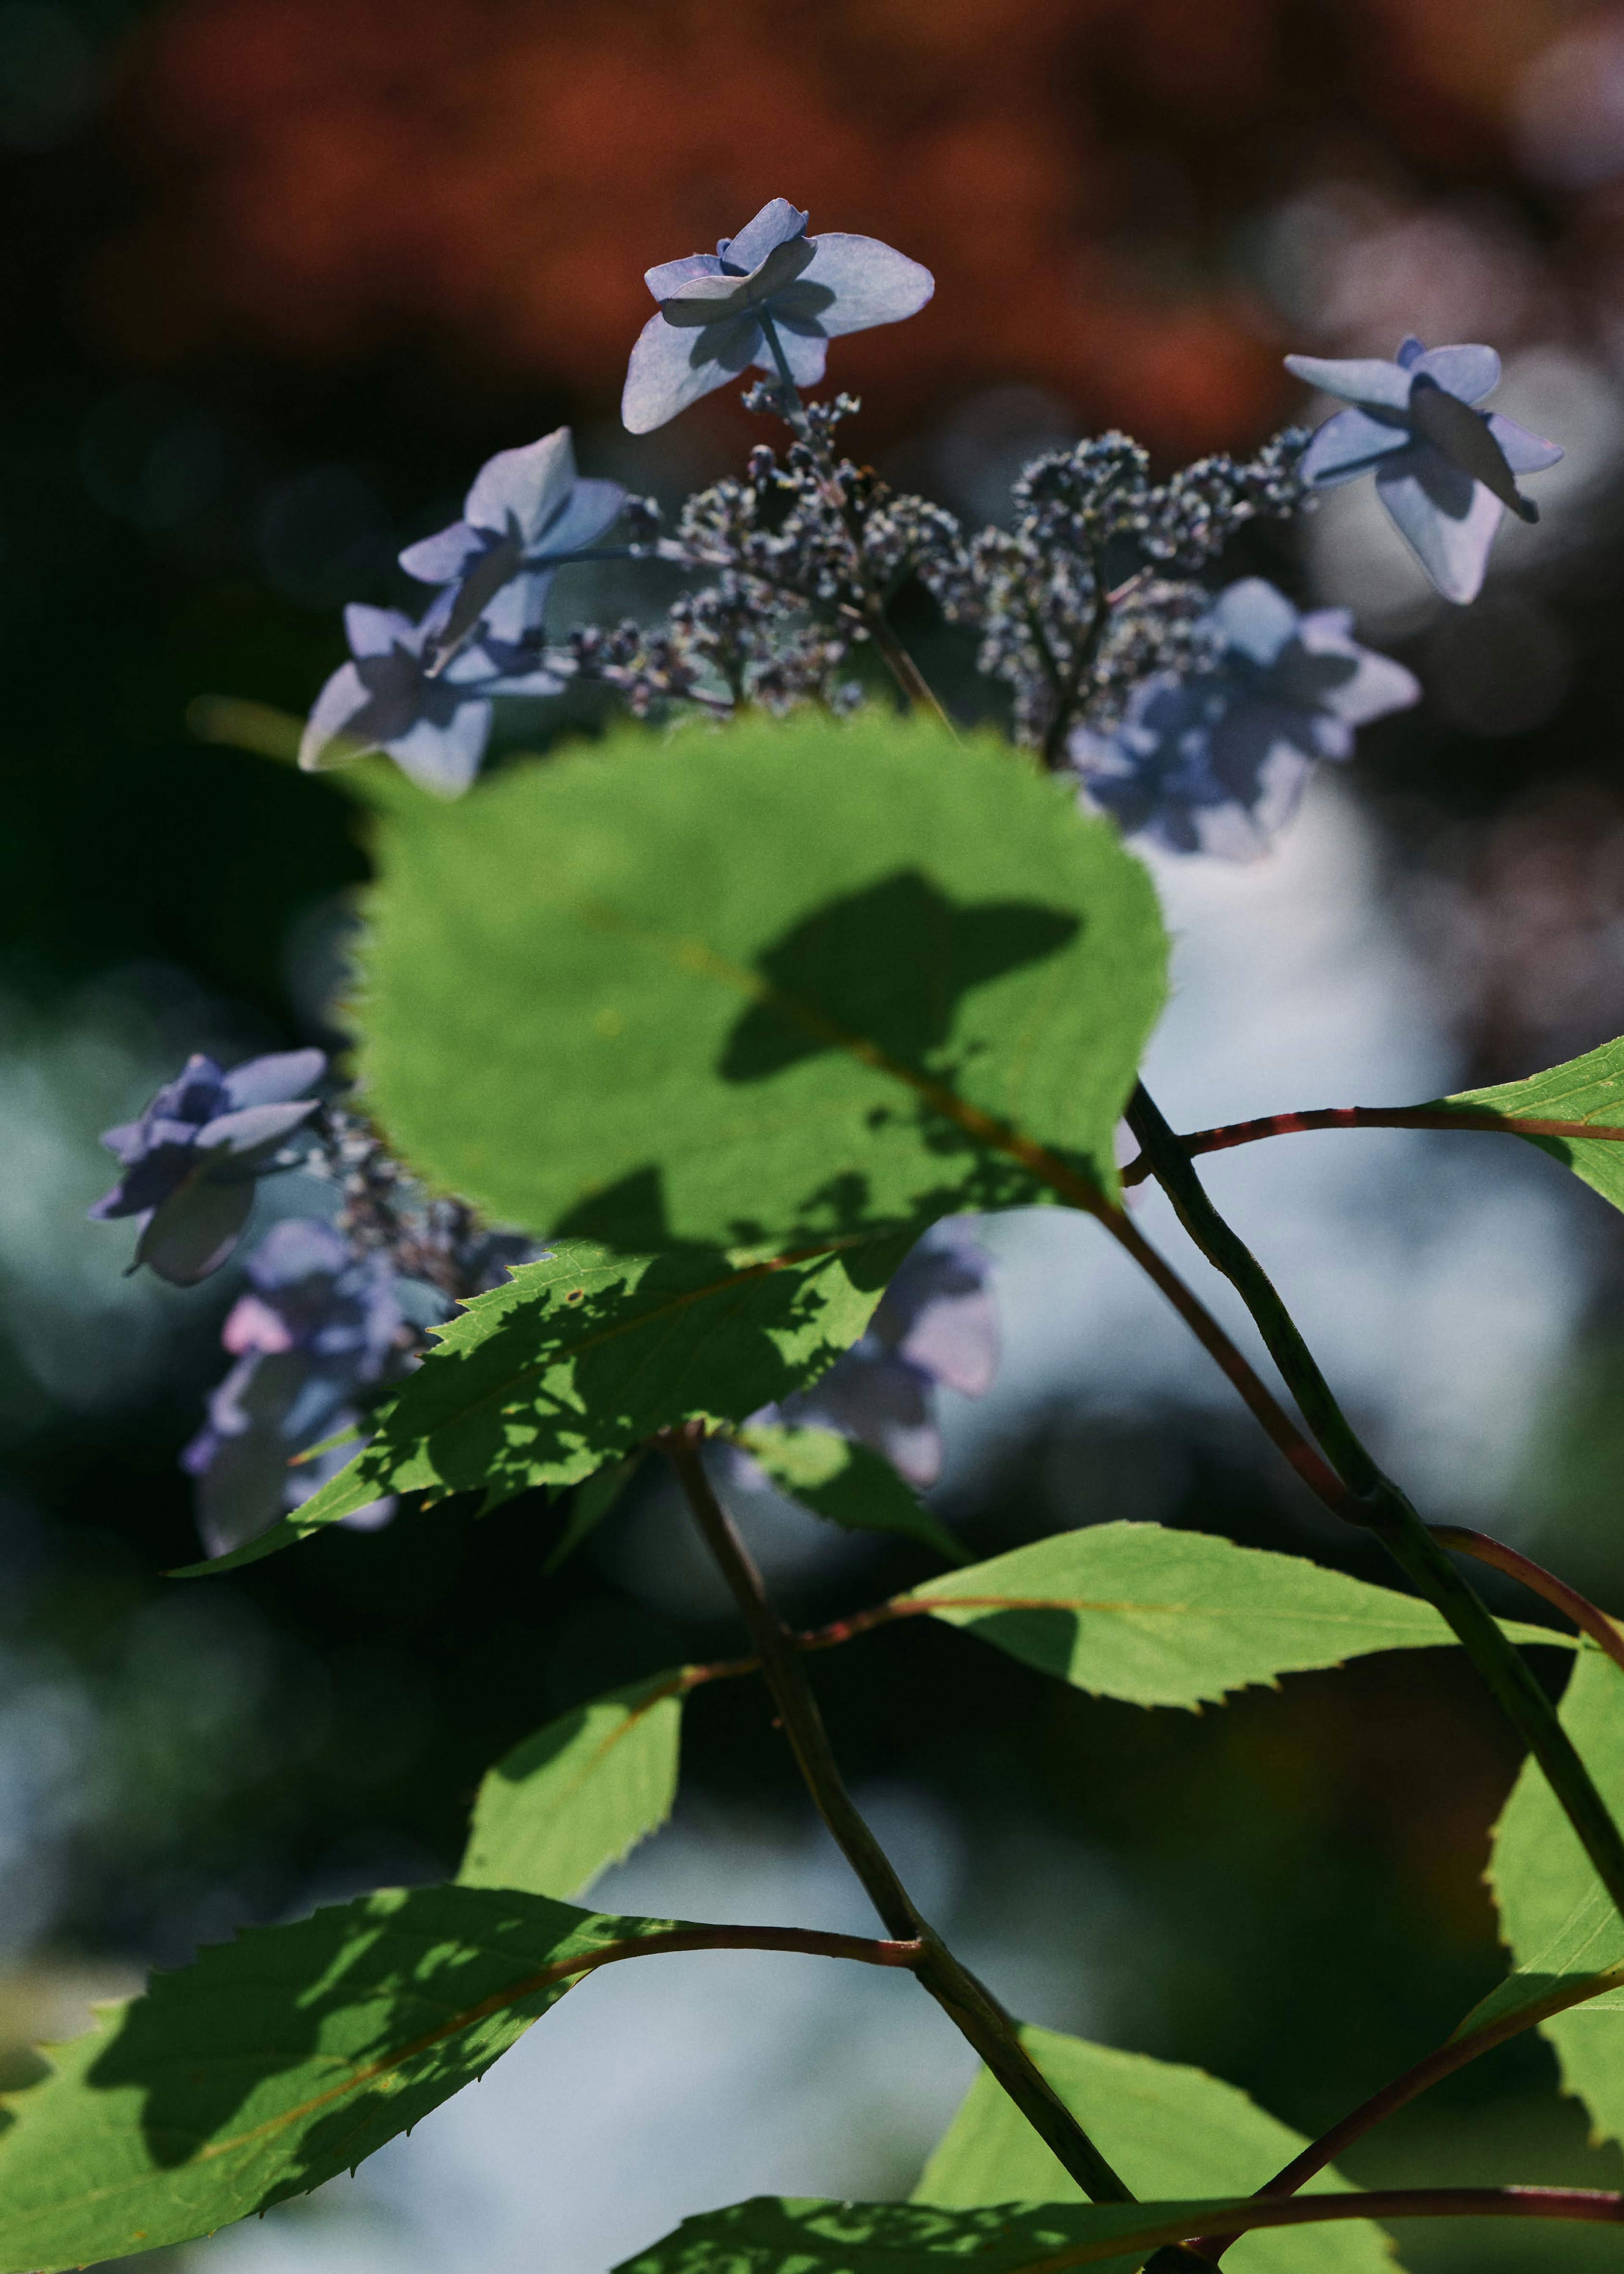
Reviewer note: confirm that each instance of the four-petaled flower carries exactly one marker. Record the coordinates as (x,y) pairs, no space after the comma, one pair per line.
(527,510)
(319,1323)
(1216,761)
(191,1162)
(713,307)
(1445,470)
(434,725)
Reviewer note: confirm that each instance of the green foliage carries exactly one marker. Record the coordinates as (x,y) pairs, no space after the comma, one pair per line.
(582,1354)
(274,2062)
(774,2234)
(801,979)
(589,1504)
(1163,2127)
(1589,1088)
(571,1799)
(846,1482)
(1560,1923)
(1176,1618)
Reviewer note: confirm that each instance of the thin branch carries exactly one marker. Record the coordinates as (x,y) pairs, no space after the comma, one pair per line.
(967,2004)
(805,1941)
(1369,1117)
(1460,2049)
(1586,1616)
(1366,1496)
(1593,2205)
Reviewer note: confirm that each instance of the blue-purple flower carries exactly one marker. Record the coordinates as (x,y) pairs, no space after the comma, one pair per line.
(1445,470)
(1215,763)
(190,1164)
(528,510)
(318,1324)
(937,1323)
(434,724)
(713,308)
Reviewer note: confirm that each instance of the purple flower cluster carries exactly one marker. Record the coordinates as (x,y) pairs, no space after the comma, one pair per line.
(1214,761)
(190,1164)
(318,1325)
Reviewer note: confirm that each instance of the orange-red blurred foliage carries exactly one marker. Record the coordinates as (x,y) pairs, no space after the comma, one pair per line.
(500,172)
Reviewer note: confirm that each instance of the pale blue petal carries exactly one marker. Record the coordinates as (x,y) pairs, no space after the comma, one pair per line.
(270,1080)
(523,487)
(1377,684)
(672,276)
(517,609)
(444,759)
(1252,617)
(662,377)
(231,1137)
(191,1233)
(1524,453)
(871,283)
(804,354)
(1470,373)
(1348,444)
(375,631)
(1410,351)
(592,506)
(1449,519)
(775,224)
(342,700)
(1362,379)
(440,559)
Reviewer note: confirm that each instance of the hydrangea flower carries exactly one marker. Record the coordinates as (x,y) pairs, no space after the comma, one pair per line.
(318,1323)
(712,307)
(190,1164)
(434,725)
(937,1323)
(1445,470)
(1215,763)
(527,510)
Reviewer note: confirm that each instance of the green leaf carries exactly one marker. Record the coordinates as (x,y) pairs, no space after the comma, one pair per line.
(274,2062)
(1562,1930)
(1178,1618)
(783,2235)
(845,1483)
(582,1354)
(578,1795)
(1166,2128)
(759,986)
(1590,1088)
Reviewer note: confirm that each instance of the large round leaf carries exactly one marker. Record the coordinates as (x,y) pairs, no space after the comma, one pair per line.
(762,985)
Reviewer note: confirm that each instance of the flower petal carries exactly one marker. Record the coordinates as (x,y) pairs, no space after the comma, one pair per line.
(665,375)
(872,283)
(1375,686)
(1524,453)
(776,224)
(326,741)
(1470,373)
(1348,444)
(524,488)
(805,355)
(280,1075)
(1254,619)
(236,1138)
(375,632)
(672,276)
(444,759)
(191,1233)
(592,506)
(1362,379)
(442,558)
(1449,519)
(1410,349)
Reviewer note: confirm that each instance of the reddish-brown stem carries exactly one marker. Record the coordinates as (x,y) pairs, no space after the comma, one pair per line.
(1586,1616)
(1460,2049)
(807,1941)
(1593,2205)
(1369,1117)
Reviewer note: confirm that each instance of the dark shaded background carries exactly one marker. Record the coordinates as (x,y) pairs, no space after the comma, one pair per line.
(276,277)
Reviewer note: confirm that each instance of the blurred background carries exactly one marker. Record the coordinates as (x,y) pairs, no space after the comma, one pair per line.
(276,277)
